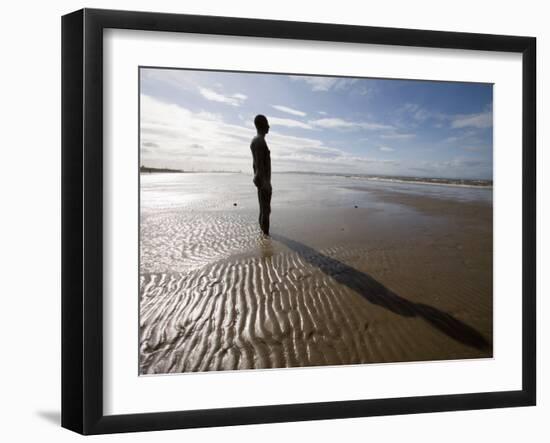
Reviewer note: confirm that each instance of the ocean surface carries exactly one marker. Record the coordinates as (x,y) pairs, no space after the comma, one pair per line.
(198,191)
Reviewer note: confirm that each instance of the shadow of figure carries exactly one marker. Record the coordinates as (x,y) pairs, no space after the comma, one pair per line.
(376,293)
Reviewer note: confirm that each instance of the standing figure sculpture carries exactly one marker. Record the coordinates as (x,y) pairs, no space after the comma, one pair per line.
(261,163)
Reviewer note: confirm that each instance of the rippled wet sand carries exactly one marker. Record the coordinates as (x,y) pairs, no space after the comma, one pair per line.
(405,276)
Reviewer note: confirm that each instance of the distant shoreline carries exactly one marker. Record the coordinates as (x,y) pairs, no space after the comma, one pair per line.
(459,182)
(454,183)
(148,170)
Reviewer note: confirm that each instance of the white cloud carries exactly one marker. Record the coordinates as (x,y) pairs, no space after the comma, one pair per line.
(189,80)
(422,115)
(459,166)
(480,121)
(176,78)
(386,149)
(331,123)
(233,100)
(415,111)
(453,139)
(178,133)
(325,83)
(475,148)
(470,135)
(173,136)
(419,114)
(338,123)
(289,123)
(397,136)
(289,110)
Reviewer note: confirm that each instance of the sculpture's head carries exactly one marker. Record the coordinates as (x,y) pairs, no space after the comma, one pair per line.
(262,126)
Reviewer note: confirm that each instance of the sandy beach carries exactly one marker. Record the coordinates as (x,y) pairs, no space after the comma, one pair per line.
(354,272)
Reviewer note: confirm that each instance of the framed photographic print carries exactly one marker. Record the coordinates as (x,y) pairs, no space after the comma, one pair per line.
(269,221)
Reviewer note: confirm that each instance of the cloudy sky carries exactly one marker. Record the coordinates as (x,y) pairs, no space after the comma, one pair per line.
(198,120)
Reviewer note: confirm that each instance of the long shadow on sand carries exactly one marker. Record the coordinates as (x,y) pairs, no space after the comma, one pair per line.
(376,293)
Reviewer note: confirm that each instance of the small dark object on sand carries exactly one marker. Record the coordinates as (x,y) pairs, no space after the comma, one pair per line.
(234,204)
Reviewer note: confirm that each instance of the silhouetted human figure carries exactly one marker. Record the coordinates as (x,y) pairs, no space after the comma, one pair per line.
(262,170)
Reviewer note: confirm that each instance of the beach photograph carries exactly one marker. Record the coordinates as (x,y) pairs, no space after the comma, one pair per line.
(291,220)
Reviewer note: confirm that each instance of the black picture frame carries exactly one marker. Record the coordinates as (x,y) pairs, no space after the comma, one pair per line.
(82,218)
